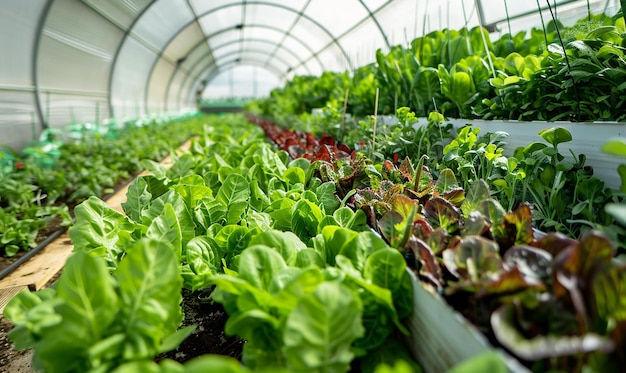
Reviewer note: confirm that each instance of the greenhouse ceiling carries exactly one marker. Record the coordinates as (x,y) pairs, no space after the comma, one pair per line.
(71,61)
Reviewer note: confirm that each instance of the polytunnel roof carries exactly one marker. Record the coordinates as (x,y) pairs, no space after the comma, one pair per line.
(88,60)
(283,37)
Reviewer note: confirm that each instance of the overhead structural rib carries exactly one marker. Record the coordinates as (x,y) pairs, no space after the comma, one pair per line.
(281,75)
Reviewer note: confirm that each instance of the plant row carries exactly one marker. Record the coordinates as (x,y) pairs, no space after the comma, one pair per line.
(304,280)
(280,288)
(52,176)
(565,195)
(554,302)
(574,73)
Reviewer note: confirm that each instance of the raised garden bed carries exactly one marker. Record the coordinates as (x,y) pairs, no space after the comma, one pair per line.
(40,190)
(488,241)
(341,168)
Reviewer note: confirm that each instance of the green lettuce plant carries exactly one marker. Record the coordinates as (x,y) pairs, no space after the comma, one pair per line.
(93,320)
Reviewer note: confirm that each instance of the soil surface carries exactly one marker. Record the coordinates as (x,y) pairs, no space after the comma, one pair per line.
(11,360)
(208,338)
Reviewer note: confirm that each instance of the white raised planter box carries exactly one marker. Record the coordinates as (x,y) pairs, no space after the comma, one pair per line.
(442,338)
(587,139)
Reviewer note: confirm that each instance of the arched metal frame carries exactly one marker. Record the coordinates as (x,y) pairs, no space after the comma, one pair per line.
(209,73)
(197,18)
(287,8)
(371,16)
(375,20)
(256,40)
(178,67)
(213,67)
(119,49)
(288,32)
(205,40)
(255,51)
(212,74)
(35,61)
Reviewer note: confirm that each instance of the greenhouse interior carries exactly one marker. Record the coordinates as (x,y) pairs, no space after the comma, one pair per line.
(312,186)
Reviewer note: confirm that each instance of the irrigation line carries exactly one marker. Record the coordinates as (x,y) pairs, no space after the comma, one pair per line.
(569,67)
(4,272)
(30,253)
(54,235)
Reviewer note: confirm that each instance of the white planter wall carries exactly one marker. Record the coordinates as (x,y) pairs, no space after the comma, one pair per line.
(588,139)
(442,338)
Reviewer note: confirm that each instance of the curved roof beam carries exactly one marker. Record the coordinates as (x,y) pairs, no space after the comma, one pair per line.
(193,67)
(211,74)
(197,17)
(298,40)
(119,49)
(293,24)
(255,51)
(212,67)
(202,42)
(333,39)
(257,40)
(236,63)
(216,9)
(375,20)
(188,75)
(371,16)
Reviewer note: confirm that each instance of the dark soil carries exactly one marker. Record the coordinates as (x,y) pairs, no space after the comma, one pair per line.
(11,360)
(209,337)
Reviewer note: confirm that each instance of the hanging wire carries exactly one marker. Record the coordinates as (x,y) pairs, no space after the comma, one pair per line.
(508,19)
(421,46)
(543,24)
(469,17)
(569,67)
(482,34)
(606,6)
(555,15)
(467,38)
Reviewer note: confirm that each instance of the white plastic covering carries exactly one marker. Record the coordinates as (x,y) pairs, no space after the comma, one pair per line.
(74,64)
(18,20)
(87,60)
